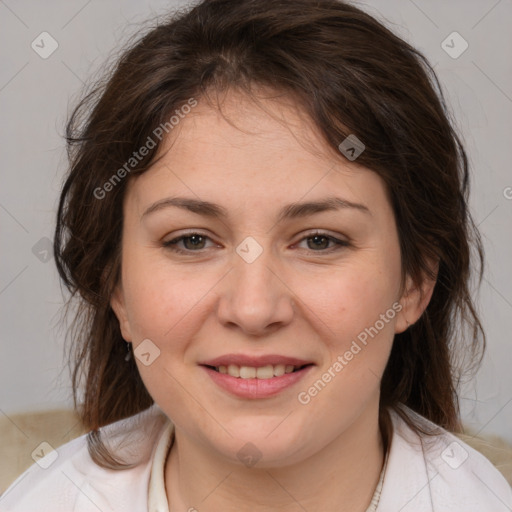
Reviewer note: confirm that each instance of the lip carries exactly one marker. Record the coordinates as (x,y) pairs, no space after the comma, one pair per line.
(256,388)
(254,361)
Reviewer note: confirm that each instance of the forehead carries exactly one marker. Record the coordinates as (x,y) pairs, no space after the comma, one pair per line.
(254,149)
(237,121)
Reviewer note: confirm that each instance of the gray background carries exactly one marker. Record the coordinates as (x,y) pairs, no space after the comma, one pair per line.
(36,95)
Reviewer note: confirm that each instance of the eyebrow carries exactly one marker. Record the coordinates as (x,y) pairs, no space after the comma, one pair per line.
(290,211)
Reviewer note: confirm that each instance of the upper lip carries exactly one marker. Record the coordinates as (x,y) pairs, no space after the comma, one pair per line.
(254,361)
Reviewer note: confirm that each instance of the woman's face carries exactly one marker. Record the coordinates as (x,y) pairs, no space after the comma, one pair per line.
(254,280)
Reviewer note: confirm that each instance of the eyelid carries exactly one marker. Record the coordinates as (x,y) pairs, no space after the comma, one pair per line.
(326,233)
(339,242)
(178,238)
(189,232)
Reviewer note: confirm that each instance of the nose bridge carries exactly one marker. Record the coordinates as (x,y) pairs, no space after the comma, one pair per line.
(255,298)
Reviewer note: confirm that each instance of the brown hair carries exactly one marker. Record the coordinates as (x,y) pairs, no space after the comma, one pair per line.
(350,75)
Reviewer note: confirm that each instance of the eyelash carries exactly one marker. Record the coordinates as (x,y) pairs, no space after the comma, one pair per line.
(171,244)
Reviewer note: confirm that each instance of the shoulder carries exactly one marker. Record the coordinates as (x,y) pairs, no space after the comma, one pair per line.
(68,479)
(439,472)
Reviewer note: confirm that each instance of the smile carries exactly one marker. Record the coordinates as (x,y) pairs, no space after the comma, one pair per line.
(263,372)
(256,382)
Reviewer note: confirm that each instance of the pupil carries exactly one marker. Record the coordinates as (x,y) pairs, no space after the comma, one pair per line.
(318,238)
(194,239)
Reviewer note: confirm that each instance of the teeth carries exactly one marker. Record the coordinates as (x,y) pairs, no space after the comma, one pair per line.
(233,370)
(247,373)
(263,372)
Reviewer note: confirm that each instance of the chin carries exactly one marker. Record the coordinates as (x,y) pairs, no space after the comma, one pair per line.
(261,445)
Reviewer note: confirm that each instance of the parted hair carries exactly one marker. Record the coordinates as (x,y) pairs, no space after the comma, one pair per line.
(350,75)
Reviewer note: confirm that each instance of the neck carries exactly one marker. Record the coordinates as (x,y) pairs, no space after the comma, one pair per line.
(340,478)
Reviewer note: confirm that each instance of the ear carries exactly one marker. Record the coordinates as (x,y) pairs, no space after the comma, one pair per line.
(117,302)
(415,300)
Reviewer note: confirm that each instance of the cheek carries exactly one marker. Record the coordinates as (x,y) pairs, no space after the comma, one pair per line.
(167,306)
(357,312)
(159,296)
(353,298)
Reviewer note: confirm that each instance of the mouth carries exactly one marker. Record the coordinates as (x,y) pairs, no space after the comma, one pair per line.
(266,372)
(257,382)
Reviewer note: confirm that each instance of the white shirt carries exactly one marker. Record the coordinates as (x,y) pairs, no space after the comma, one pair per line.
(422,474)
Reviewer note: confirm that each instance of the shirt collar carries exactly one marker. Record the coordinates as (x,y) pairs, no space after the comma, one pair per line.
(157,497)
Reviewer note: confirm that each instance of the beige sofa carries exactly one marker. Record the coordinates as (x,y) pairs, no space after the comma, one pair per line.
(21,435)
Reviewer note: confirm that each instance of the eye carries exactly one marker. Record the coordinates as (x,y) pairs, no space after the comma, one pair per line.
(319,242)
(196,242)
(192,242)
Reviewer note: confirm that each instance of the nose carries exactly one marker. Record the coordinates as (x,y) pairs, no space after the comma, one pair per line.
(254,297)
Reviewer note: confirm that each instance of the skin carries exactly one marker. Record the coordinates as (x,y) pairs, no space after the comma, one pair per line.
(297,298)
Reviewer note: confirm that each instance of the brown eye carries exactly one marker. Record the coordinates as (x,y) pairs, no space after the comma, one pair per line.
(318,242)
(322,242)
(193,242)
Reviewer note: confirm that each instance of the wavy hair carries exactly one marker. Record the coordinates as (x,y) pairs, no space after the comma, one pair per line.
(350,75)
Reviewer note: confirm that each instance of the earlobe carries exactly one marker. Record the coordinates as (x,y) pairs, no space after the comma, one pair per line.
(117,303)
(414,301)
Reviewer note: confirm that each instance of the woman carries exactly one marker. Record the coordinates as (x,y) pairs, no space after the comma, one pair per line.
(265,225)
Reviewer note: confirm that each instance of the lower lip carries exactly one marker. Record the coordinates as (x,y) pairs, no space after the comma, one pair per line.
(256,388)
